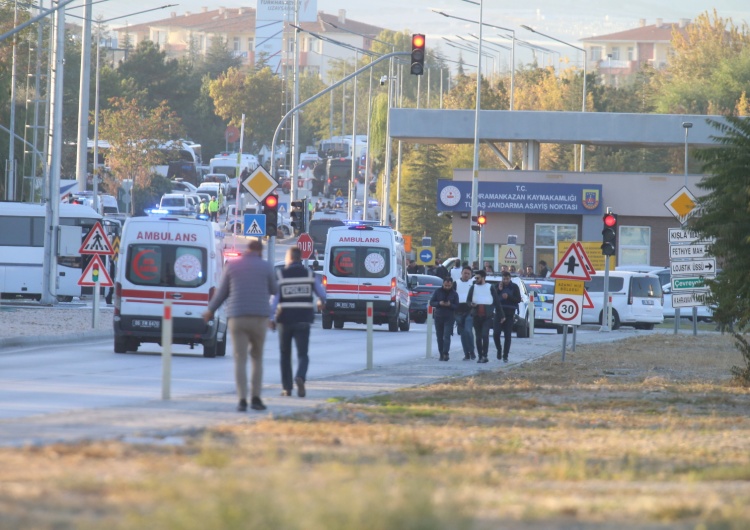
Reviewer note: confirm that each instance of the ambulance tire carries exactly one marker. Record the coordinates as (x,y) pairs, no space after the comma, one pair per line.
(393,324)
(327,322)
(209,349)
(121,345)
(404,325)
(338,324)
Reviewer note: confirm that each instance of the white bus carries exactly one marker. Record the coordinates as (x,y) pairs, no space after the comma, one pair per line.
(22,249)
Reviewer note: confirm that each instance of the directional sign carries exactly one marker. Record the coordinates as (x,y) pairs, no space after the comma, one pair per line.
(689,251)
(704,267)
(259,183)
(689,299)
(571,266)
(305,245)
(689,284)
(682,204)
(567,310)
(680,236)
(96,242)
(95,270)
(425,255)
(255,224)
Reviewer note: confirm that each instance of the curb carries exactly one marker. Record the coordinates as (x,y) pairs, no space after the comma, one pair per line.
(31,340)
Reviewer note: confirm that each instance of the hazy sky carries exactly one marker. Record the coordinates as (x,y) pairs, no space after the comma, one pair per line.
(569,21)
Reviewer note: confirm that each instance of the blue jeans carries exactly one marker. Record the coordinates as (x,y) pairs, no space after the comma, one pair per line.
(464,328)
(444,330)
(300,332)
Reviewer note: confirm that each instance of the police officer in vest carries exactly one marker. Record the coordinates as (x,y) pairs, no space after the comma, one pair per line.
(292,313)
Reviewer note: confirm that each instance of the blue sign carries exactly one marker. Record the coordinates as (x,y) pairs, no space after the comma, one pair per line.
(255,224)
(425,255)
(521,197)
(339,201)
(283,207)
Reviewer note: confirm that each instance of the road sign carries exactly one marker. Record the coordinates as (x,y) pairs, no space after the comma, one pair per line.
(689,251)
(571,266)
(567,310)
(255,224)
(96,242)
(702,267)
(95,269)
(305,244)
(425,255)
(680,236)
(568,287)
(586,261)
(689,299)
(260,184)
(682,204)
(283,207)
(587,302)
(689,284)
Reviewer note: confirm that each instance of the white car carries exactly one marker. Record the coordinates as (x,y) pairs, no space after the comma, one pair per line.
(704,313)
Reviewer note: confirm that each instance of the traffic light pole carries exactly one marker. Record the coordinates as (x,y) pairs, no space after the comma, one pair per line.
(605,304)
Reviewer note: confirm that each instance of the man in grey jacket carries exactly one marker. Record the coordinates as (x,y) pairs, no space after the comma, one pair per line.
(247,286)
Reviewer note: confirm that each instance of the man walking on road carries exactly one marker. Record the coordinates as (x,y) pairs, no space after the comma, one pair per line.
(509,296)
(293,309)
(482,299)
(213,209)
(247,286)
(464,326)
(445,302)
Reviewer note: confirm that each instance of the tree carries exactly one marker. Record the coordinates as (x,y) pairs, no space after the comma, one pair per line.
(135,136)
(726,217)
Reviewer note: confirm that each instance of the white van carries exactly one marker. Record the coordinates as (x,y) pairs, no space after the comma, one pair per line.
(636,299)
(168,258)
(365,263)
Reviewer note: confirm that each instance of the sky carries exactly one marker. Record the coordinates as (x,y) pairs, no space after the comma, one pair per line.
(565,20)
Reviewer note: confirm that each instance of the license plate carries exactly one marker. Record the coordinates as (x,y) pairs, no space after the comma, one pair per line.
(343,305)
(152,324)
(647,302)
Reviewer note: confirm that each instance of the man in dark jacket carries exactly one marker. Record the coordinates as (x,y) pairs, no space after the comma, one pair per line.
(509,296)
(292,313)
(445,302)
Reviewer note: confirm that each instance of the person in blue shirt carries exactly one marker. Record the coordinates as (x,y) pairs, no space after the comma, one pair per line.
(445,302)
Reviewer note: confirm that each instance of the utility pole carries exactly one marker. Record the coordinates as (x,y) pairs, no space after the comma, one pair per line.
(83,103)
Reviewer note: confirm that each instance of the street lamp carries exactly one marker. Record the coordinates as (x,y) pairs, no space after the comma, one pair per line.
(583,104)
(687,126)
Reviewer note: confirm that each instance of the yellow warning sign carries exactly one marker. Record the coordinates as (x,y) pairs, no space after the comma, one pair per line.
(574,287)
(510,255)
(260,183)
(682,204)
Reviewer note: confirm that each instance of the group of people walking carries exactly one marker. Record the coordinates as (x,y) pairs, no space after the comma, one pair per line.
(475,307)
(257,300)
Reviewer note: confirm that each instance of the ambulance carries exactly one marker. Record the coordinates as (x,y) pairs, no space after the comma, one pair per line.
(168,258)
(365,263)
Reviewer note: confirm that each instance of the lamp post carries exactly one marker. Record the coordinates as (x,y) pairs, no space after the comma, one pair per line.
(583,51)
(687,126)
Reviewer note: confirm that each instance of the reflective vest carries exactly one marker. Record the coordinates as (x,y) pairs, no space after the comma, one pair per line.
(204,207)
(296,286)
(213,206)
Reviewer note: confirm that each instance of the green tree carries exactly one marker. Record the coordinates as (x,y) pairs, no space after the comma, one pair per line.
(135,136)
(726,217)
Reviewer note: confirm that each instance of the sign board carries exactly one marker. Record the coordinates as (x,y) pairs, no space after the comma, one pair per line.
(701,250)
(566,309)
(689,284)
(305,244)
(569,287)
(682,204)
(95,269)
(587,302)
(586,261)
(510,255)
(96,242)
(260,184)
(283,208)
(407,244)
(254,224)
(702,267)
(425,255)
(680,236)
(593,251)
(689,299)
(571,266)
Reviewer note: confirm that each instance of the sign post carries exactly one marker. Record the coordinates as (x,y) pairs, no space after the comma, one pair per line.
(96,243)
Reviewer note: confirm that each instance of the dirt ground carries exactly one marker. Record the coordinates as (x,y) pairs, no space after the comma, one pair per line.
(651,432)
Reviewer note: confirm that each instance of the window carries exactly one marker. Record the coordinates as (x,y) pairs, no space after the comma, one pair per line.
(595,53)
(645,287)
(631,53)
(634,245)
(250,45)
(236,44)
(616,53)
(596,284)
(22,231)
(166,265)
(359,262)
(546,239)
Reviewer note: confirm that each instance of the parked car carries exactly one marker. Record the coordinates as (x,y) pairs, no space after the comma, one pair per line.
(179,185)
(704,313)
(544,299)
(421,287)
(636,299)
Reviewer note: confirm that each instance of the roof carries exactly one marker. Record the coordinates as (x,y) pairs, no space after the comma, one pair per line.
(652,33)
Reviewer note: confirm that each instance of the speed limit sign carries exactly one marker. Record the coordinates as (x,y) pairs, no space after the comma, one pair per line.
(567,310)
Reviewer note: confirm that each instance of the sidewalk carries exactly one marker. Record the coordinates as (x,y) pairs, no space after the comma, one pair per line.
(160,421)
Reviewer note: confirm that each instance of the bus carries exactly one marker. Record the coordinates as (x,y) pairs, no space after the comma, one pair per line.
(22,249)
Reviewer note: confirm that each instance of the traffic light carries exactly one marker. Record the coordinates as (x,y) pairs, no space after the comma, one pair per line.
(480,221)
(417,54)
(299,215)
(271,211)
(609,234)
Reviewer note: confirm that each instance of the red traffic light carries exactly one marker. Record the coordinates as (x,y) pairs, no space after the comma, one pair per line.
(272,201)
(481,220)
(610,219)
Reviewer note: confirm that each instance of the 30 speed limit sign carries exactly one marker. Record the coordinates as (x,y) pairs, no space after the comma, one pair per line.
(567,310)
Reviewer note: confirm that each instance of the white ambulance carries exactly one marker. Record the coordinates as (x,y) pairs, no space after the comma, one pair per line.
(365,263)
(168,258)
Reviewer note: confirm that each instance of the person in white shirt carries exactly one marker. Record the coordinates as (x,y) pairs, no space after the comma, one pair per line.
(456,271)
(482,299)
(464,320)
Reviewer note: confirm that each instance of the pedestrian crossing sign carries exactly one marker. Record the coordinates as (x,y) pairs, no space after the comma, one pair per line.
(283,207)
(255,224)
(96,242)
